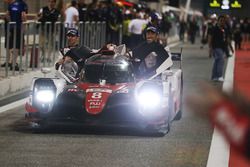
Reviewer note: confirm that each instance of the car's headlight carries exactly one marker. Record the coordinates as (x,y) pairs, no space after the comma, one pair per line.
(149,98)
(45,96)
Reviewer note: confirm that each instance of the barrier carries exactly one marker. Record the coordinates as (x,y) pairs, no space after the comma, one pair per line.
(42,41)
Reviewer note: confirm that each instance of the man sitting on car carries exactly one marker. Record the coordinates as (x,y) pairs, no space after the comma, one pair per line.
(149,55)
(72,39)
(73,52)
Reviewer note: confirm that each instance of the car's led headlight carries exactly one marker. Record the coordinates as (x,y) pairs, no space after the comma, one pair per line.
(149,98)
(45,96)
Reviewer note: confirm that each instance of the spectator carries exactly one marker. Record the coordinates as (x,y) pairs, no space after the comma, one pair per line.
(193,28)
(125,33)
(218,41)
(47,14)
(93,11)
(237,35)
(17,11)
(71,15)
(82,10)
(136,27)
(114,20)
(165,25)
(150,53)
(244,29)
(182,30)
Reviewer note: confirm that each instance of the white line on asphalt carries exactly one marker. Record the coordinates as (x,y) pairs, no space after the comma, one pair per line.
(13,105)
(219,149)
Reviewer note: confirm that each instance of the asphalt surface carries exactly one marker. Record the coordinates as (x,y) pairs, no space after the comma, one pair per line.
(186,145)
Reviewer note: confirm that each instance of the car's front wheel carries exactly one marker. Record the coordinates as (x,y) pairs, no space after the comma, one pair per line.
(38,127)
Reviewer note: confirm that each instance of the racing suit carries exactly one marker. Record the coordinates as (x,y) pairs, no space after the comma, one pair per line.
(142,51)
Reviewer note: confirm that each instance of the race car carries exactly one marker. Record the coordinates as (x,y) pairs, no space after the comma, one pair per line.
(109,94)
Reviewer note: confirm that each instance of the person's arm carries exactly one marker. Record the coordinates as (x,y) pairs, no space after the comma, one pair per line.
(235,127)
(7,16)
(210,38)
(24,12)
(76,16)
(162,53)
(229,113)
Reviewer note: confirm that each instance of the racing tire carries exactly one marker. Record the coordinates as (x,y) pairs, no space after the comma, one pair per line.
(178,116)
(159,131)
(162,131)
(38,127)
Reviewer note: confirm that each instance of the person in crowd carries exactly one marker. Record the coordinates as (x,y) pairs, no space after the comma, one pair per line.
(114,20)
(218,41)
(48,14)
(93,11)
(82,10)
(237,34)
(229,113)
(17,11)
(193,28)
(182,30)
(71,15)
(136,27)
(150,53)
(165,25)
(244,29)
(125,33)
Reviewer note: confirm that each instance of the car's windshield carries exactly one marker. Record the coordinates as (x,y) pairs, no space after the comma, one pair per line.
(110,73)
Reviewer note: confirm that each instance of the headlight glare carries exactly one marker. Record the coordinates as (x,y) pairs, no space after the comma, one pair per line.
(45,96)
(149,98)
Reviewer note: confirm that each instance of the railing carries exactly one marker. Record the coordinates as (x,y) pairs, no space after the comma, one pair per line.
(40,45)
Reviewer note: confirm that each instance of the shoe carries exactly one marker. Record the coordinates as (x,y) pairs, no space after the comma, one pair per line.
(16,67)
(4,64)
(214,79)
(221,79)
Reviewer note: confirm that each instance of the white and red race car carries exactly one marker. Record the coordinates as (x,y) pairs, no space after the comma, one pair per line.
(109,94)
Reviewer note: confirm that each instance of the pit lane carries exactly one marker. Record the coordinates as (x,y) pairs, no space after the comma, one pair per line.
(186,145)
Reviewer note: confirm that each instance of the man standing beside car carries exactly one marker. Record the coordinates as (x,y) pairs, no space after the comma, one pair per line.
(17,11)
(218,41)
(150,53)
(47,14)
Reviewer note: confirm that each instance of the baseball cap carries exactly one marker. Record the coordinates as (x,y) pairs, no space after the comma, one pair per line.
(72,31)
(153,29)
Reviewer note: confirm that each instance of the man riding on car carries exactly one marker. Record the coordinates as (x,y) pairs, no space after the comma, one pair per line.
(73,52)
(149,55)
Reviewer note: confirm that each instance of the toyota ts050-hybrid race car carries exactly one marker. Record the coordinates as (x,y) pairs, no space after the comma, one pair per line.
(109,94)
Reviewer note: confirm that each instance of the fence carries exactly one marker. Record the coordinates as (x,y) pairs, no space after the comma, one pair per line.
(39,44)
